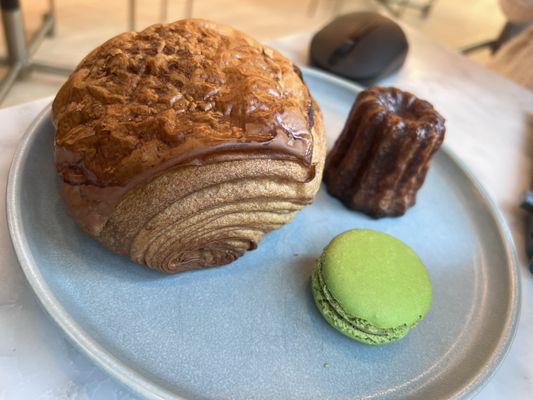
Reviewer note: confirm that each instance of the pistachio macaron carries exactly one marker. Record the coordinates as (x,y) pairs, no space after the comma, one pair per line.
(371,286)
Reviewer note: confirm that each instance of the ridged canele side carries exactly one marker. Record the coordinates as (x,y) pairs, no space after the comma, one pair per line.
(381,157)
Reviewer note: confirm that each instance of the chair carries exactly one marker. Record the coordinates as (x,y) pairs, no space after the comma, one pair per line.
(398,7)
(163,12)
(394,7)
(510,30)
(19,53)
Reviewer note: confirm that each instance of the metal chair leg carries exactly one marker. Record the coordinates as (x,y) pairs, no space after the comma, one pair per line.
(131,15)
(14,34)
(20,53)
(163,11)
(188,8)
(52,14)
(9,80)
(311,8)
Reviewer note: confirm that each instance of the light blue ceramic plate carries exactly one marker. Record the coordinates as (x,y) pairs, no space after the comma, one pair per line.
(250,330)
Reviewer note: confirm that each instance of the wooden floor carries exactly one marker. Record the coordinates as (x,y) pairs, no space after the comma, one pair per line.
(83,24)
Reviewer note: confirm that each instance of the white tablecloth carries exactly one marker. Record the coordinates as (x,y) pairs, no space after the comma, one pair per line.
(489,126)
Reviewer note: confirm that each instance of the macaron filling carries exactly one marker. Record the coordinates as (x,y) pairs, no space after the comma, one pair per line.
(351,325)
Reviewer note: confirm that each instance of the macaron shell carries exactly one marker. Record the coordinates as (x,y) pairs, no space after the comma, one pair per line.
(353,328)
(377,278)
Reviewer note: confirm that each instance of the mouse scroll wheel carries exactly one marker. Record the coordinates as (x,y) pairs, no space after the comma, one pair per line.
(341,51)
(345,47)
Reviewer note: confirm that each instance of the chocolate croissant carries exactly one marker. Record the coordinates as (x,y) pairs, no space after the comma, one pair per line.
(182,145)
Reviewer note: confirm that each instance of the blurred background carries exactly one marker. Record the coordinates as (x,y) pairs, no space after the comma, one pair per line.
(81,25)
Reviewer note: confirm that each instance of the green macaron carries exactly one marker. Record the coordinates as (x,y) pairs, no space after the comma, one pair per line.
(371,286)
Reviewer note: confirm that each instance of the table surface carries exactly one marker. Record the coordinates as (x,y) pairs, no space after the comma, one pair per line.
(489,126)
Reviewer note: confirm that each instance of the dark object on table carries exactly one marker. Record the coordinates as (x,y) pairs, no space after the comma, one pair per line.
(362,46)
(509,31)
(527,204)
(381,157)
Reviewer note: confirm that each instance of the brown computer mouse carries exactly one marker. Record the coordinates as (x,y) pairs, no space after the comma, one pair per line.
(361,46)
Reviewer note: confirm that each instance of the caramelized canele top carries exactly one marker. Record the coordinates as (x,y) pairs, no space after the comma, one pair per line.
(398,106)
(174,94)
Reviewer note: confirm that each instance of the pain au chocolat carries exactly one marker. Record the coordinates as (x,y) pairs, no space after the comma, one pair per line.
(381,157)
(182,145)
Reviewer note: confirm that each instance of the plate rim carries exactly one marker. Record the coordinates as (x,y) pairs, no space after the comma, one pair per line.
(147,388)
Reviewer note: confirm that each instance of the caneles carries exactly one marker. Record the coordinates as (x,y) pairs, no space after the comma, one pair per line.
(381,157)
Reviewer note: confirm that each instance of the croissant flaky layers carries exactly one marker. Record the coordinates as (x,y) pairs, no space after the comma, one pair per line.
(182,145)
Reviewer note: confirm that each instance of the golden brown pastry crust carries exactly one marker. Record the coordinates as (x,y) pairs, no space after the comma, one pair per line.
(177,94)
(181,145)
